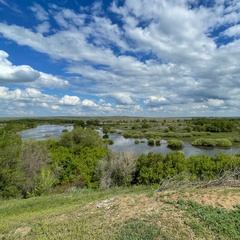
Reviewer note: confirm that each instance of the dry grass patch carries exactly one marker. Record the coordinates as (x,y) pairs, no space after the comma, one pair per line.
(225,197)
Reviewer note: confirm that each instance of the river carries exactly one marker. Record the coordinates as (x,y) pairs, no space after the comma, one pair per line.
(43,132)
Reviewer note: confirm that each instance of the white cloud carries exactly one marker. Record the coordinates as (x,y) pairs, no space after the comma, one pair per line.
(43,27)
(11,73)
(70,100)
(88,103)
(40,13)
(55,107)
(121,98)
(147,55)
(215,102)
(50,81)
(154,101)
(233,31)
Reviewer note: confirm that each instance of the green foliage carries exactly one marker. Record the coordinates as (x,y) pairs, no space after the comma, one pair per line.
(137,229)
(174,163)
(106,129)
(43,183)
(158,142)
(151,141)
(225,162)
(79,123)
(149,168)
(208,142)
(202,166)
(79,136)
(175,144)
(136,141)
(109,141)
(214,125)
(77,165)
(11,176)
(225,223)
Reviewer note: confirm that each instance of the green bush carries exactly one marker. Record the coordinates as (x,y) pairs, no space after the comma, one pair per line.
(149,168)
(136,141)
(223,143)
(11,166)
(208,142)
(151,141)
(158,142)
(174,143)
(127,134)
(185,135)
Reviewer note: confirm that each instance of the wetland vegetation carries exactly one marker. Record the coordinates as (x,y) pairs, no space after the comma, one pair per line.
(80,160)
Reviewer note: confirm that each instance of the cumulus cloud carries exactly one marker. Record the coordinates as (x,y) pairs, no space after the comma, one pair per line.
(121,98)
(215,102)
(163,57)
(10,73)
(88,103)
(154,101)
(70,100)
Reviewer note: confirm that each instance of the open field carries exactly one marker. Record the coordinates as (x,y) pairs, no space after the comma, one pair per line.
(124,213)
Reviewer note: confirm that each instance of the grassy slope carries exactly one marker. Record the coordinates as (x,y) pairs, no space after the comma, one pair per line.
(127,213)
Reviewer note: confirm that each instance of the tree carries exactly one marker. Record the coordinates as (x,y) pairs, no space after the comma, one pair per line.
(35,156)
(106,130)
(11,177)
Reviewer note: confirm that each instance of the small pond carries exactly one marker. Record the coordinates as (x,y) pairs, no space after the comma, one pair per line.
(43,132)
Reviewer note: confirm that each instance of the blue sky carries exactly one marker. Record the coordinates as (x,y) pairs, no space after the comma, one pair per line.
(151,58)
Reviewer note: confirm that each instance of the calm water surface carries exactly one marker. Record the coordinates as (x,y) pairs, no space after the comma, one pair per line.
(44,132)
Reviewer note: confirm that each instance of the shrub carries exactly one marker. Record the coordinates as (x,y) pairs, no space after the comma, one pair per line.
(207,142)
(151,141)
(136,141)
(127,134)
(175,143)
(186,135)
(158,142)
(149,168)
(223,143)
(117,169)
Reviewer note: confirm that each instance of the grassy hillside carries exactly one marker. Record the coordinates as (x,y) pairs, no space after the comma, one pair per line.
(124,213)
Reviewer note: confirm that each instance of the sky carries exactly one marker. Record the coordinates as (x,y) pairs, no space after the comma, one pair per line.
(144,58)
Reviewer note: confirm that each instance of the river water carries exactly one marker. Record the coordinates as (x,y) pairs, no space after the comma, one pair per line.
(43,132)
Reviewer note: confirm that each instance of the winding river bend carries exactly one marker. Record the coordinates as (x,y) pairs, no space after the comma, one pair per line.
(43,132)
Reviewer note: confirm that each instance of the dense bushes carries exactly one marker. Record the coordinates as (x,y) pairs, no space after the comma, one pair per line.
(175,144)
(214,125)
(154,167)
(11,166)
(81,159)
(207,142)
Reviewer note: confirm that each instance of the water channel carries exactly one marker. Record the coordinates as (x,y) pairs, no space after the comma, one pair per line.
(43,132)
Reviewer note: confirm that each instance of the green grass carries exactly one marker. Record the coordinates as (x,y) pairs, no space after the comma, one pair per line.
(222,222)
(119,214)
